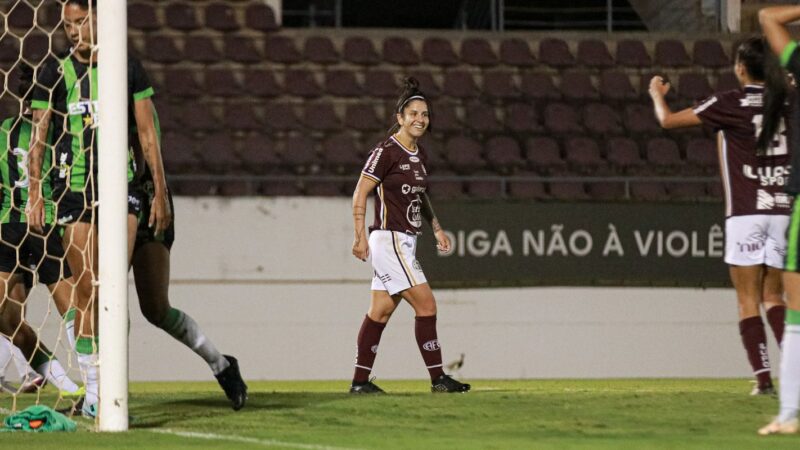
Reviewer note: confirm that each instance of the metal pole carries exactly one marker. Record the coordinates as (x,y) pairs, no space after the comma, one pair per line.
(113,214)
(338,13)
(501,15)
(610,16)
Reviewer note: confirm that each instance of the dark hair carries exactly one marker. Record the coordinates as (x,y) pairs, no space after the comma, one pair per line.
(410,91)
(84,4)
(25,81)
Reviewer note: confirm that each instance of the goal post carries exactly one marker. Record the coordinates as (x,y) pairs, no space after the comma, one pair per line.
(112,213)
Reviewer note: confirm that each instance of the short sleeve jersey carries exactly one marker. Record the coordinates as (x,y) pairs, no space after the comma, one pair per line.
(15,139)
(752,184)
(790,59)
(402,177)
(69,88)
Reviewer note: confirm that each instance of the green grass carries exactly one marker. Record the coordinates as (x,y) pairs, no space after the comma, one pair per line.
(613,414)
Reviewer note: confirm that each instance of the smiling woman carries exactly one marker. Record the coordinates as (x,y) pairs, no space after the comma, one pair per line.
(396,171)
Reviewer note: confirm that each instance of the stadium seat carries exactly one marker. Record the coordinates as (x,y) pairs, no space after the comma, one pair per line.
(709,53)
(299,154)
(459,84)
(478,52)
(320,50)
(221,82)
(594,53)
(640,119)
(217,153)
(21,16)
(35,48)
(632,53)
(649,191)
(181,83)
(362,117)
(178,153)
(623,154)
(515,52)
(162,49)
(302,83)
(167,115)
(578,86)
(499,86)
(399,51)
(687,191)
(561,118)
(260,17)
(543,155)
(522,118)
(200,117)
(221,16)
(281,50)
(321,117)
(671,53)
(503,154)
(555,53)
(360,50)
(583,154)
(445,189)
(242,116)
(261,83)
(48,17)
(342,83)
(141,16)
(426,83)
(439,52)
(280,189)
(259,154)
(181,16)
(195,188)
(464,154)
(485,189)
(527,190)
(323,188)
(380,84)
(693,86)
(482,118)
(568,191)
(202,49)
(727,81)
(538,86)
(241,49)
(702,153)
(616,86)
(602,119)
(281,117)
(340,153)
(434,153)
(445,118)
(663,154)
(9,48)
(606,190)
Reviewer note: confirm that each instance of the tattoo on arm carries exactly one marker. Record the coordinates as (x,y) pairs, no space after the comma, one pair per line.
(428,213)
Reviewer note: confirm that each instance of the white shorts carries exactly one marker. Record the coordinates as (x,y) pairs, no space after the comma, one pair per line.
(394,261)
(756,239)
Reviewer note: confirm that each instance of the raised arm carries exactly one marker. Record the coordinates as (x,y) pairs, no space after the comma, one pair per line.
(35,207)
(773,23)
(160,214)
(360,242)
(442,241)
(666,118)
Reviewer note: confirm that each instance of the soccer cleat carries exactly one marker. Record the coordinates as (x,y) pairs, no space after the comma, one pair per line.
(766,390)
(232,383)
(32,384)
(74,408)
(89,411)
(6,386)
(778,427)
(367,387)
(445,383)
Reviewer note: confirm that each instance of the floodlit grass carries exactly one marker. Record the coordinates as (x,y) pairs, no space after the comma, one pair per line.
(611,414)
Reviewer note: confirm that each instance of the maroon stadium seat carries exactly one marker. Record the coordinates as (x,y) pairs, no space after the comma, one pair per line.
(281,117)
(568,190)
(709,53)
(35,48)
(221,17)
(623,154)
(527,190)
(663,154)
(167,115)
(478,52)
(299,154)
(482,118)
(727,81)
(260,17)
(606,190)
(200,117)
(181,16)
(362,117)
(178,151)
(426,83)
(302,83)
(217,154)
(538,86)
(593,53)
(381,84)
(261,83)
(632,53)
(445,118)
(600,118)
(649,191)
(460,84)
(281,189)
(242,116)
(48,17)
(485,189)
(555,52)
(522,118)
(578,86)
(561,118)
(241,49)
(503,154)
(222,83)
(687,191)
(464,154)
(583,154)
(445,189)
(202,49)
(9,48)
(640,118)
(515,52)
(142,16)
(616,86)
(321,117)
(360,50)
(320,50)
(694,86)
(702,153)
(21,16)
(434,151)
(181,83)
(282,50)
(162,49)
(543,155)
(259,154)
(671,53)
(341,153)
(194,188)
(399,51)
(439,52)
(342,83)
(499,85)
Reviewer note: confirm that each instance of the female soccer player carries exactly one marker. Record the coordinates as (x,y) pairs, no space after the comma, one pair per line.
(756,209)
(396,168)
(773,22)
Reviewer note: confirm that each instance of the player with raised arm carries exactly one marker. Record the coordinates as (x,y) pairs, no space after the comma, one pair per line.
(65,99)
(756,208)
(396,171)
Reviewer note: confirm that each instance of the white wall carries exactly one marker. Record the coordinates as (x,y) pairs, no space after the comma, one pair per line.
(272,282)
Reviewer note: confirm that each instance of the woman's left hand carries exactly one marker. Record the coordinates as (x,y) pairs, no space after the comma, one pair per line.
(442,241)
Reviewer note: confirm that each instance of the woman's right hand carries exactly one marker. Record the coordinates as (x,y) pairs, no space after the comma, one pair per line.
(360,248)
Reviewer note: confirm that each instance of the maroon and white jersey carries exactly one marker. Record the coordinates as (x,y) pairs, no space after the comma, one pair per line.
(753,184)
(401,177)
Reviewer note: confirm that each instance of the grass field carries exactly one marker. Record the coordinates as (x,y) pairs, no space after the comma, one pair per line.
(497,414)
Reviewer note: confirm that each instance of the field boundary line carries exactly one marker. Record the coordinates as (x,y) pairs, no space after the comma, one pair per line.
(246,440)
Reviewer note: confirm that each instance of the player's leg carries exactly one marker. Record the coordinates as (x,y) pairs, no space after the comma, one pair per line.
(381,307)
(772,298)
(747,280)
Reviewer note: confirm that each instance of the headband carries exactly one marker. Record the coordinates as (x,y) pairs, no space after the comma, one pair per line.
(413,97)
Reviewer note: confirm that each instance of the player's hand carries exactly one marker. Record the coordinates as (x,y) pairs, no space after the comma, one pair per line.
(360,248)
(160,214)
(442,241)
(34,211)
(659,86)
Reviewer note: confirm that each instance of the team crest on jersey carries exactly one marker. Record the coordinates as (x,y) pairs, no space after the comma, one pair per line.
(413,159)
(414,213)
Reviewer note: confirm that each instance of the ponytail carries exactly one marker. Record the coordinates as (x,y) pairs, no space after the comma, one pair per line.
(775,92)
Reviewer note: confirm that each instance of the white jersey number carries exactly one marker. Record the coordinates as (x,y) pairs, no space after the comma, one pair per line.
(779,146)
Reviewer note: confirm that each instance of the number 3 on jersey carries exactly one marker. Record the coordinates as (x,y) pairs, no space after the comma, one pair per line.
(22,165)
(779,146)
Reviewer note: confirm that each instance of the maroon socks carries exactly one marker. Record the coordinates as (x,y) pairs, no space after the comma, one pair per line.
(425,331)
(776,316)
(368,338)
(755,343)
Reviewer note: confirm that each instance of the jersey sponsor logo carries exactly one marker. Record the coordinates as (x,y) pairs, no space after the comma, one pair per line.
(414,213)
(85,107)
(22,164)
(408,189)
(376,157)
(135,202)
(767,176)
(767,201)
(63,167)
(431,346)
(750,247)
(753,100)
(417,176)
(405,166)
(413,159)
(65,220)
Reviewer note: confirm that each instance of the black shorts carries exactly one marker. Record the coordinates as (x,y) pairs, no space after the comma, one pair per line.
(144,233)
(23,252)
(73,207)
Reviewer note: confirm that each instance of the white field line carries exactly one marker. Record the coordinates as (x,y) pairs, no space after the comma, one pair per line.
(246,440)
